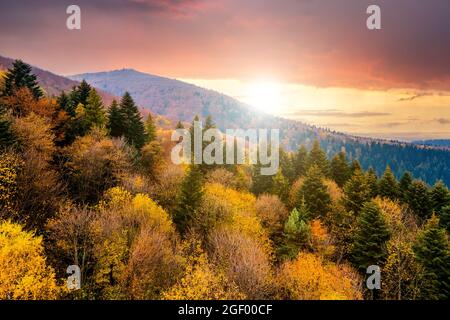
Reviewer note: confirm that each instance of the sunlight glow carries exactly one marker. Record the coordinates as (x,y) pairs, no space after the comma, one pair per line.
(264,95)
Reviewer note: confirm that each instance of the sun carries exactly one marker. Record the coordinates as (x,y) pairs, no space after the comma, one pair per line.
(264,95)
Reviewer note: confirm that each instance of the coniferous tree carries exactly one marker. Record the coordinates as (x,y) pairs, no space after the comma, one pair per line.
(315,193)
(340,170)
(297,231)
(432,252)
(301,161)
(286,165)
(179,125)
(134,130)
(280,186)
(66,104)
(405,185)
(318,157)
(356,193)
(440,197)
(444,218)
(372,182)
(20,76)
(7,137)
(189,198)
(419,199)
(115,120)
(260,183)
(388,186)
(150,128)
(369,245)
(80,93)
(355,166)
(95,112)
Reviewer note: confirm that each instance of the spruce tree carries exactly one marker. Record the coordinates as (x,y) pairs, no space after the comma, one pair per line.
(116,120)
(7,137)
(150,128)
(286,165)
(444,218)
(300,161)
(66,104)
(404,186)
(80,93)
(95,112)
(356,193)
(260,183)
(134,130)
(419,199)
(388,186)
(189,198)
(280,186)
(372,234)
(372,182)
(440,197)
(315,193)
(318,157)
(432,252)
(355,166)
(340,170)
(297,232)
(20,76)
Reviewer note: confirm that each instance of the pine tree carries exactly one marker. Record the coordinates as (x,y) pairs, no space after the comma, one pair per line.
(372,182)
(388,186)
(66,104)
(286,165)
(355,166)
(80,93)
(189,198)
(405,184)
(134,130)
(356,193)
(95,113)
(340,170)
(300,161)
(315,193)
(116,120)
(297,232)
(369,244)
(432,252)
(440,197)
(260,183)
(20,76)
(150,128)
(280,186)
(318,157)
(444,218)
(7,137)
(419,199)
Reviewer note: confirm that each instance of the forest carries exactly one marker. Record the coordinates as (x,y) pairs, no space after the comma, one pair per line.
(86,184)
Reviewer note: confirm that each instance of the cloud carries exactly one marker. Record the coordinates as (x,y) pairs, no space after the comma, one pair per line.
(442,120)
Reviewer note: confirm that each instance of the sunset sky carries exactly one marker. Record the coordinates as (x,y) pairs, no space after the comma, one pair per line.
(310,60)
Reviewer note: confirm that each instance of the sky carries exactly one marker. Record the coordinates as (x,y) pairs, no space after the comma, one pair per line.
(312,60)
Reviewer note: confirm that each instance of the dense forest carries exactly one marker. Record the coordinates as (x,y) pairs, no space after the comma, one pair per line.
(91,185)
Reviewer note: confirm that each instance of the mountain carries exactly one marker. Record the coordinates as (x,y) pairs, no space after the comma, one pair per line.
(437,143)
(178,100)
(52,83)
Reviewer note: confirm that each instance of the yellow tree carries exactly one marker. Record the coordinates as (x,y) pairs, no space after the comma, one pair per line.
(24,271)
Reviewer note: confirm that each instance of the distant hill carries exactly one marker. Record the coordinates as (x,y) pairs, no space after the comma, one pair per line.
(52,83)
(438,143)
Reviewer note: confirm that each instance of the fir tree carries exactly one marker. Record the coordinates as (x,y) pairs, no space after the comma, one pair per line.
(280,186)
(372,182)
(286,165)
(318,157)
(150,128)
(116,120)
(356,192)
(315,193)
(369,244)
(189,198)
(20,76)
(7,137)
(80,93)
(297,232)
(66,104)
(432,252)
(355,166)
(440,197)
(444,218)
(260,183)
(340,170)
(300,161)
(95,113)
(405,185)
(134,130)
(419,199)
(388,186)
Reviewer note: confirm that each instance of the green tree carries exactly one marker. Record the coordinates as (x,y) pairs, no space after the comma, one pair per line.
(356,192)
(297,232)
(318,157)
(388,186)
(432,251)
(20,76)
(372,182)
(80,93)
(355,166)
(419,199)
(134,130)
(315,193)
(189,198)
(369,245)
(280,186)
(405,185)
(340,170)
(7,137)
(150,128)
(444,218)
(94,110)
(300,161)
(440,197)
(115,120)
